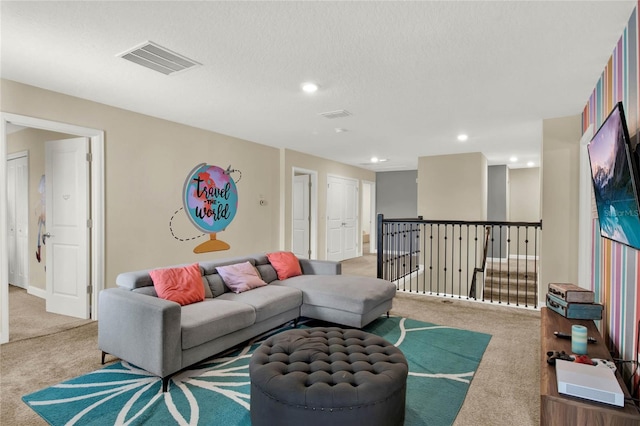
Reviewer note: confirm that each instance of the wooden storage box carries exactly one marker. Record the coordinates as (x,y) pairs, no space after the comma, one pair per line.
(571,293)
(585,311)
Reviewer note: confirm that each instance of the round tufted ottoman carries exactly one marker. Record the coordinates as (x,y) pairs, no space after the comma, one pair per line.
(327,376)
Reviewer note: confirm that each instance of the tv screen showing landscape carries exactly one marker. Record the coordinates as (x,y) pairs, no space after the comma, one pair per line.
(614,182)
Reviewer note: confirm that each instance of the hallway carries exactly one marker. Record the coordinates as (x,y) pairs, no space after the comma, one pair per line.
(28,317)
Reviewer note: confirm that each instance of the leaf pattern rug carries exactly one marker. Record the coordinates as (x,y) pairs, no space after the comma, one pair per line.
(442,361)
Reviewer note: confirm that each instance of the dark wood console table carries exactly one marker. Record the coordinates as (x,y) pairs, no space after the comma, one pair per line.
(563,410)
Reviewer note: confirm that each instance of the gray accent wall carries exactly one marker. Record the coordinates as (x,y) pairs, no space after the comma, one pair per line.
(397,194)
(497,203)
(497,193)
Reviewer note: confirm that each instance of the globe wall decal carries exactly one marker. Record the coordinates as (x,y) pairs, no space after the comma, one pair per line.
(210,199)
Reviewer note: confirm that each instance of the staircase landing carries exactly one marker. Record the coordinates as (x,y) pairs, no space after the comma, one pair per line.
(512,282)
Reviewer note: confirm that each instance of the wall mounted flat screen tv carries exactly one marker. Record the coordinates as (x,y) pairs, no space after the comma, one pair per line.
(614,172)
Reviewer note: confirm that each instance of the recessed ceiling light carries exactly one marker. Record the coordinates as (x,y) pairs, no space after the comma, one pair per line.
(310,87)
(513,159)
(378,160)
(530,164)
(463,137)
(340,130)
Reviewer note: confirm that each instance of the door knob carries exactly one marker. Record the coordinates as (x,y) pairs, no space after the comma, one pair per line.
(46,235)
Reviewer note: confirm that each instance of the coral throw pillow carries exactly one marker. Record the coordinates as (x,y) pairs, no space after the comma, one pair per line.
(182,285)
(240,277)
(285,263)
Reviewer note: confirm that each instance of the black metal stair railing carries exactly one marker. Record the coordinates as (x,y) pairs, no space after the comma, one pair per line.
(481,260)
(474,276)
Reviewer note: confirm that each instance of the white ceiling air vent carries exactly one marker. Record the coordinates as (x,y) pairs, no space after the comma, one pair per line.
(158,58)
(336,114)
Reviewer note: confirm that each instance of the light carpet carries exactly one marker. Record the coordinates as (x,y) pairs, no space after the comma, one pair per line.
(442,362)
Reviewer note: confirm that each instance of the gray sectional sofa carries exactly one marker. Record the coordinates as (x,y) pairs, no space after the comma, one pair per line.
(164,337)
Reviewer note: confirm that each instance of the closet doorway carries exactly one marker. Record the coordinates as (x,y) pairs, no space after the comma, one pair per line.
(342,218)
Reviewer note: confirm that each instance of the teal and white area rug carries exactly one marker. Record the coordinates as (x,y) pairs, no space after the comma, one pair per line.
(442,361)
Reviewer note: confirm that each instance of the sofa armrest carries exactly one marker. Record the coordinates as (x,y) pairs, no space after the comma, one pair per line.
(320,267)
(142,330)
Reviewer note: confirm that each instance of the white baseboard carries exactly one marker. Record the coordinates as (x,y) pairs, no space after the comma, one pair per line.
(38,292)
(512,257)
(454,298)
(521,257)
(410,276)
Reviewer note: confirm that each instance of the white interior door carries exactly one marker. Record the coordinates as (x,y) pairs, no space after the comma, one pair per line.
(11,221)
(350,215)
(342,218)
(301,202)
(67,237)
(18,219)
(335,191)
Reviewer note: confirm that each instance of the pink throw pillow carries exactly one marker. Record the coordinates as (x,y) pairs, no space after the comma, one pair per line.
(240,277)
(182,285)
(285,263)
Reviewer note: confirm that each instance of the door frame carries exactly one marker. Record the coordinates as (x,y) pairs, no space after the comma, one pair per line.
(358,206)
(313,209)
(96,142)
(373,217)
(585,221)
(14,156)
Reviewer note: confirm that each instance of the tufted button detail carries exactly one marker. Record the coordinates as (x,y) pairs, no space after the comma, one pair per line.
(328,368)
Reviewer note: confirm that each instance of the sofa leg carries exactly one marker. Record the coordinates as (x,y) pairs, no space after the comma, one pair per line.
(387,314)
(295,323)
(103,355)
(165,383)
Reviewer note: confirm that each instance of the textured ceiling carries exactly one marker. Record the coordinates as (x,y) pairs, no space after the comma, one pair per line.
(413,74)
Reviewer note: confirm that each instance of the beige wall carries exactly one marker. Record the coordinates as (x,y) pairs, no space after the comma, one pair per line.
(560,167)
(324,167)
(146,163)
(453,187)
(32,141)
(524,206)
(147,160)
(524,195)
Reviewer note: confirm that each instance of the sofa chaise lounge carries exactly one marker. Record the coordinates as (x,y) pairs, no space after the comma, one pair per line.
(164,337)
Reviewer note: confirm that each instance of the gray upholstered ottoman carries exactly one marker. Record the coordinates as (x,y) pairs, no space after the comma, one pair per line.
(327,376)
